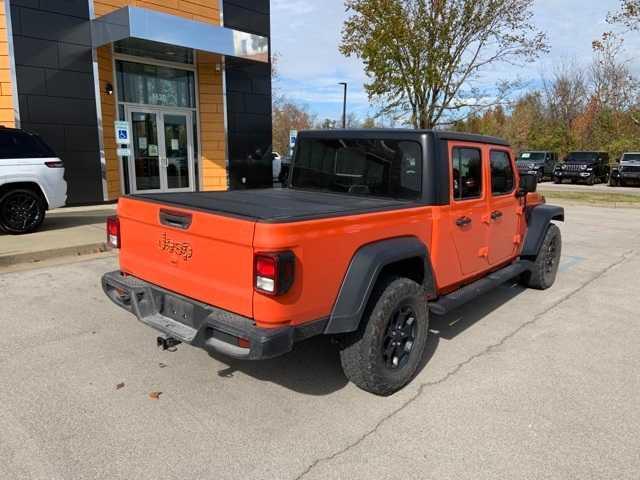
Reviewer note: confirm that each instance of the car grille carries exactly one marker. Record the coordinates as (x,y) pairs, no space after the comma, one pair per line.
(631,169)
(522,165)
(570,167)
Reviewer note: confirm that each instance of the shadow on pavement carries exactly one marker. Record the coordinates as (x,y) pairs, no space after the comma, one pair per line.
(313,368)
(59,221)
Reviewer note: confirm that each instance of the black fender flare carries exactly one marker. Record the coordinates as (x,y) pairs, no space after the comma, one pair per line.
(538,219)
(363,273)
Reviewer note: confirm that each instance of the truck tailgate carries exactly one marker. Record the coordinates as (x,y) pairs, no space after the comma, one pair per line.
(197,254)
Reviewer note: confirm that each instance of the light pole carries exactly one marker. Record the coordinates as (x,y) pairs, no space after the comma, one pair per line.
(344,105)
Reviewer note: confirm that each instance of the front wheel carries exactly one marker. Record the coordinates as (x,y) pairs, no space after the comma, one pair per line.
(613,182)
(545,267)
(385,353)
(21,211)
(540,176)
(556,180)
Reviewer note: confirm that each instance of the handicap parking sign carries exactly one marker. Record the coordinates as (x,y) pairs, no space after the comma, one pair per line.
(123,136)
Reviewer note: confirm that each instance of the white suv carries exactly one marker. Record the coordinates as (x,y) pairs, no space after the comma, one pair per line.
(31,181)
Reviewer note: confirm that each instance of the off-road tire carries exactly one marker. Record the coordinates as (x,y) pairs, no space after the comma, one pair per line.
(557,181)
(362,354)
(613,182)
(591,180)
(35,210)
(545,268)
(540,176)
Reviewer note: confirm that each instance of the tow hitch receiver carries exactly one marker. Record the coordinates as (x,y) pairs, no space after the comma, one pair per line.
(167,343)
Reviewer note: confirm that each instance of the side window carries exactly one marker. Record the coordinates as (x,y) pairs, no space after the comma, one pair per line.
(22,145)
(502,177)
(467,173)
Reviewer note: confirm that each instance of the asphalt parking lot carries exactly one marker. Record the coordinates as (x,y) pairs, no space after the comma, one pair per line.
(518,384)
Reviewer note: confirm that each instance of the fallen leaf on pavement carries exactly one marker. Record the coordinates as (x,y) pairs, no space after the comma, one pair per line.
(119,386)
(162,365)
(155,395)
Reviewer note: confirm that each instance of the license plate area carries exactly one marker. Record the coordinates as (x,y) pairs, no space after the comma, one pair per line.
(178,310)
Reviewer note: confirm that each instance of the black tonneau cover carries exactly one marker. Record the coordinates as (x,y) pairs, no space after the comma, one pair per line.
(275,205)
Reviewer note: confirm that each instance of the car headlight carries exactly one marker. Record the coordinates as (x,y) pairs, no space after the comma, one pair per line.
(532,166)
(583,167)
(563,166)
(589,169)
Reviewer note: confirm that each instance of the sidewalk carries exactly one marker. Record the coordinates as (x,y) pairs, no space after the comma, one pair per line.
(66,232)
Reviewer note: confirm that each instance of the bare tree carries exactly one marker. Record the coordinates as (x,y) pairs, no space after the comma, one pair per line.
(628,14)
(424,57)
(565,94)
(614,87)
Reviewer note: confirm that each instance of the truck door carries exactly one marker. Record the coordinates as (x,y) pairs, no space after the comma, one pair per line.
(469,207)
(505,211)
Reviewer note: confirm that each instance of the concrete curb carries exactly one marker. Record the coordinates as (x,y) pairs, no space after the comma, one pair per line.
(34,257)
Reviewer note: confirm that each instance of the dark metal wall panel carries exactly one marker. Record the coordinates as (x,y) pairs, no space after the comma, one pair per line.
(248,87)
(54,72)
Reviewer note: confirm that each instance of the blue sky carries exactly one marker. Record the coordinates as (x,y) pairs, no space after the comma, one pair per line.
(306,35)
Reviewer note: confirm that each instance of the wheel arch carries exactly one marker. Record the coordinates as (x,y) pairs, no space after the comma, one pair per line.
(403,256)
(539,217)
(26,185)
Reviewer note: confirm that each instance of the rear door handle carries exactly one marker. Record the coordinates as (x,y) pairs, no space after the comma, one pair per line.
(496,215)
(463,221)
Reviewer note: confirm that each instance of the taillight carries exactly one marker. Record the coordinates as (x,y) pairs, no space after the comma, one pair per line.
(113,232)
(273,272)
(57,164)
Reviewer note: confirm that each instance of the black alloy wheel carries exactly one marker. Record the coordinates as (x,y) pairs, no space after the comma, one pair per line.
(400,338)
(21,211)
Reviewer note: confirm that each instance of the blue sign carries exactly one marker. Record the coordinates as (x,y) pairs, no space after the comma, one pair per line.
(123,135)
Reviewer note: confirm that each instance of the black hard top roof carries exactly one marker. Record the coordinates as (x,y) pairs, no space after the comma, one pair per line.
(373,133)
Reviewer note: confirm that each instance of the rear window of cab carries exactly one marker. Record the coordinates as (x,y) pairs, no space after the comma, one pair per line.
(370,167)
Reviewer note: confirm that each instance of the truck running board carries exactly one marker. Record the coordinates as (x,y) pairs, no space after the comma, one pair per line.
(464,295)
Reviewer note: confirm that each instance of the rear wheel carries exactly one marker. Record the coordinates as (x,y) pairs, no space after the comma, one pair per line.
(21,211)
(385,353)
(545,268)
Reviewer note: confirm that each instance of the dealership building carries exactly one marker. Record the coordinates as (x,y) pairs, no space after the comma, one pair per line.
(191,79)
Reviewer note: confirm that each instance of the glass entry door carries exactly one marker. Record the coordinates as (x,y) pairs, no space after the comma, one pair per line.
(162,150)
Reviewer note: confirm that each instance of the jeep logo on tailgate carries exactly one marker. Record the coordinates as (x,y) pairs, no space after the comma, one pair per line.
(183,250)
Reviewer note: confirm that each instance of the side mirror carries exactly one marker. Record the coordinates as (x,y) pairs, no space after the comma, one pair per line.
(528,184)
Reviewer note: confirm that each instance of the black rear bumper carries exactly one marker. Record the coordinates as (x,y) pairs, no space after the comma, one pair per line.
(201,325)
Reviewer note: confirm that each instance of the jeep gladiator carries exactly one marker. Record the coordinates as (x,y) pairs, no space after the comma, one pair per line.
(376,230)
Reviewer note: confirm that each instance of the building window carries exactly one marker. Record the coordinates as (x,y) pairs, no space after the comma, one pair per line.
(155,85)
(155,50)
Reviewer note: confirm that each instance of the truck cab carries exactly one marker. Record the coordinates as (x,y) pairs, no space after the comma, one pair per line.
(538,163)
(376,230)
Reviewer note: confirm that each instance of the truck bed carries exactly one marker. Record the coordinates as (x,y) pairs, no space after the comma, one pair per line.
(277,205)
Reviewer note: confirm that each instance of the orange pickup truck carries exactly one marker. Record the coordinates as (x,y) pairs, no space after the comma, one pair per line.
(377,230)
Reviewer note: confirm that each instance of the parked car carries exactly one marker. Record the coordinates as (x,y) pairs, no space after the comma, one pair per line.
(539,163)
(627,171)
(377,229)
(31,181)
(585,167)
